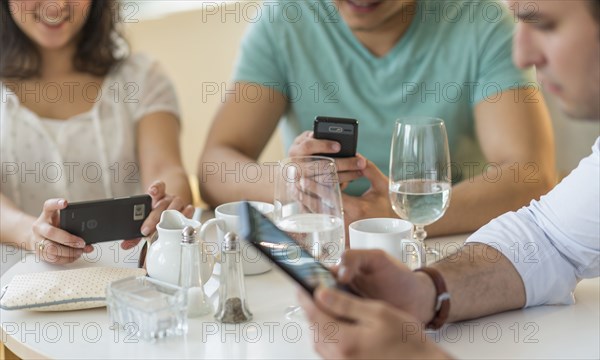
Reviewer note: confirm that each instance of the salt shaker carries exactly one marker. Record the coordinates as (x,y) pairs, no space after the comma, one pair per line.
(232,293)
(190,274)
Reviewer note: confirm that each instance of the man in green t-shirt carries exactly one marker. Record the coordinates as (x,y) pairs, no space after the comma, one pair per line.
(377,61)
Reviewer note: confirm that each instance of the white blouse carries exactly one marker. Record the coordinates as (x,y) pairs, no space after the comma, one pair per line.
(89,156)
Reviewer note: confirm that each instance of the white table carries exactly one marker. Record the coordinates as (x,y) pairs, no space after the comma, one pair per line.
(538,333)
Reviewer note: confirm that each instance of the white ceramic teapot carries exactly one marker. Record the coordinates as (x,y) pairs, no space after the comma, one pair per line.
(164,255)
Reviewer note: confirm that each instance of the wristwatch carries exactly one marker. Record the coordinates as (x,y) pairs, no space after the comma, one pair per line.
(442,303)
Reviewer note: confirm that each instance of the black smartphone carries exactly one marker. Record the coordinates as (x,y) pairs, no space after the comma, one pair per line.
(106,220)
(342,130)
(278,246)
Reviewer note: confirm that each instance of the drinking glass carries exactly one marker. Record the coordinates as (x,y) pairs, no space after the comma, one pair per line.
(308,207)
(420,175)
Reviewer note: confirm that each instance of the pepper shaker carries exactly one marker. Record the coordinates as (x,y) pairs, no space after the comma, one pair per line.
(232,292)
(190,274)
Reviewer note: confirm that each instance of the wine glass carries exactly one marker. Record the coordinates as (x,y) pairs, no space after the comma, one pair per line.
(420,176)
(308,207)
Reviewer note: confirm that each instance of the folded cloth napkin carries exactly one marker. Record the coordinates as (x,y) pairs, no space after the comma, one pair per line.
(62,290)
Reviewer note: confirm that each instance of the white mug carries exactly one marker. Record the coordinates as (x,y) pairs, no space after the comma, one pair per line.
(227,219)
(393,236)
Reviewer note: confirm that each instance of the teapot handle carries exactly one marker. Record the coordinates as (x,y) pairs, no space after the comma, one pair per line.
(220,223)
(149,240)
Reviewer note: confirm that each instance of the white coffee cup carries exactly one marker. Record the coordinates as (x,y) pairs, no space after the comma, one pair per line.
(393,236)
(227,219)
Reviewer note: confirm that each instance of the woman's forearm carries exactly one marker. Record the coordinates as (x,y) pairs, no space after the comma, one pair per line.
(15,225)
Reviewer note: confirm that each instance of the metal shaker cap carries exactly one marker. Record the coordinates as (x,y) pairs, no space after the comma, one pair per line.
(231,242)
(188,235)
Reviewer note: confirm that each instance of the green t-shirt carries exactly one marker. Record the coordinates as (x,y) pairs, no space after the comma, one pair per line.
(454,55)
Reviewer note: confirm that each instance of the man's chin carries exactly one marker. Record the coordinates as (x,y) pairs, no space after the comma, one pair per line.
(581,112)
(361,25)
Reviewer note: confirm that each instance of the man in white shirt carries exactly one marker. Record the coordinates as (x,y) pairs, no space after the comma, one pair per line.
(530,257)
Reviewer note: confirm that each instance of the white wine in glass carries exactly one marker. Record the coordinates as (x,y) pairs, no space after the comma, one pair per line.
(420,183)
(421,201)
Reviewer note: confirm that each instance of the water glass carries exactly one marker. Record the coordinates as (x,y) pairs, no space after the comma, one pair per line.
(308,207)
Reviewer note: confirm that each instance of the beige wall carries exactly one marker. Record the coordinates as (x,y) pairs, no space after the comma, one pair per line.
(198,51)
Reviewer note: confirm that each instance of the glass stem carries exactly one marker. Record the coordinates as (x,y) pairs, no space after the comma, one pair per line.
(420,234)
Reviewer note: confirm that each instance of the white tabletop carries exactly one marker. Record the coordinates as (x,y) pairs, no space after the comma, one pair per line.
(542,333)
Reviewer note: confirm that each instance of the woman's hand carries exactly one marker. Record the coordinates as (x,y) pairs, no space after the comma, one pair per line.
(51,243)
(161,201)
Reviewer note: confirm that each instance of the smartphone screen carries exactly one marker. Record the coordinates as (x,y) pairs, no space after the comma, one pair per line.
(284,251)
(106,220)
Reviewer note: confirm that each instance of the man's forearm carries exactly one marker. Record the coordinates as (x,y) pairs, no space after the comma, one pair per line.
(226,175)
(481,281)
(478,200)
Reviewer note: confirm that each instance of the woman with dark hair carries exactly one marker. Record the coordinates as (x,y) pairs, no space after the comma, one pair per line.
(80,120)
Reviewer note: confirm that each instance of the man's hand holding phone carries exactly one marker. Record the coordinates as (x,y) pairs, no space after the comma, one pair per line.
(333,136)
(349,168)
(395,298)
(348,327)
(379,276)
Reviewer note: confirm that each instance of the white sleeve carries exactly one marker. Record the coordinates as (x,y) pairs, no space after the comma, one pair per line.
(156,91)
(554,242)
